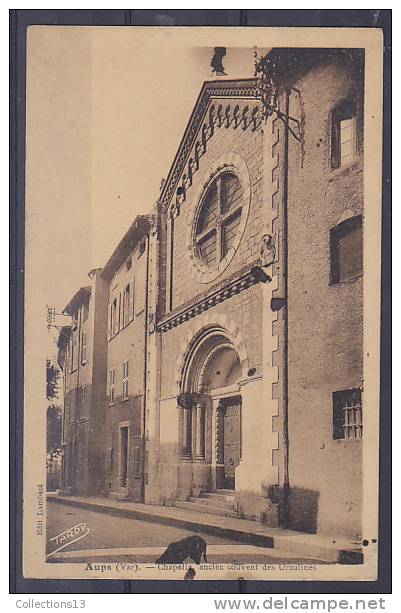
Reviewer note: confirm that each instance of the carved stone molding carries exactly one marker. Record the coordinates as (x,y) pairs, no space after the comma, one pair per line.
(234,118)
(228,162)
(217,117)
(234,286)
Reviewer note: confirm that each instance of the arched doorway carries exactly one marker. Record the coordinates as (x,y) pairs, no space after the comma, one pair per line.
(221,377)
(210,403)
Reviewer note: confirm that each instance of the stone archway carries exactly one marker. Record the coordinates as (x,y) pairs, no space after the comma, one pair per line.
(220,378)
(210,405)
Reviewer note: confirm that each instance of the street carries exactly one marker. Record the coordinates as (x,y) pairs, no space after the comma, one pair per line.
(114,539)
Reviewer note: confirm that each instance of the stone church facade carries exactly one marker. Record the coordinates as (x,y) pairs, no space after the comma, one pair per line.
(253,382)
(214,433)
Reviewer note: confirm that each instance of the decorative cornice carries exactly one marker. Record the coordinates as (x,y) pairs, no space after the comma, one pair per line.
(251,276)
(244,88)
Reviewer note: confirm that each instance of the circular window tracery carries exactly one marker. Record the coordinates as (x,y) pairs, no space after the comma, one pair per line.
(224,197)
(219,219)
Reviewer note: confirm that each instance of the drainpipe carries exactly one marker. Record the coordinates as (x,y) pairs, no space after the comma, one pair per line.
(286,483)
(77,404)
(145,373)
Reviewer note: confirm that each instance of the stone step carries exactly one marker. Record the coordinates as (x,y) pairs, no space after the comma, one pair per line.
(216,496)
(119,494)
(224,504)
(203,508)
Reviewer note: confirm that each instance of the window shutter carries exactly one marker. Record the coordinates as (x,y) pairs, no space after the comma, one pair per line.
(131,299)
(120,324)
(140,283)
(116,315)
(84,350)
(109,322)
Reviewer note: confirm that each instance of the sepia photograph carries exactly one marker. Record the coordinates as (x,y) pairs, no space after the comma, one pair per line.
(202,303)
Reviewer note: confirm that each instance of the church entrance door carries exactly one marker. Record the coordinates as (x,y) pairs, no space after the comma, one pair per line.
(231,435)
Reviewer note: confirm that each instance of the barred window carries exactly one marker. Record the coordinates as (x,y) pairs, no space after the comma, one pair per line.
(347,414)
(219,218)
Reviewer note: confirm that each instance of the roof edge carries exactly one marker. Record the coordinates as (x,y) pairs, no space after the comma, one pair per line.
(78,298)
(139,228)
(224,88)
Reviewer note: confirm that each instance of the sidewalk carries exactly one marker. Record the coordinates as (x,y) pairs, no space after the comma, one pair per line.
(327,549)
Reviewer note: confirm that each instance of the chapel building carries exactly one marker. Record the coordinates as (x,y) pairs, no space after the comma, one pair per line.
(259,313)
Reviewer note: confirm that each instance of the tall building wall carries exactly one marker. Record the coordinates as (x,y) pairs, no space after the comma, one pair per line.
(124,407)
(325,323)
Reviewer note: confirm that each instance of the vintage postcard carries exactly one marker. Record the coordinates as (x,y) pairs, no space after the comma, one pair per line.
(202,305)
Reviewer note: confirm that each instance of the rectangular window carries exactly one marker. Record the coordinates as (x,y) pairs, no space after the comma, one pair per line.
(74,354)
(347,140)
(125,379)
(114,318)
(80,401)
(126,305)
(343,134)
(142,247)
(84,348)
(85,311)
(346,250)
(112,377)
(110,322)
(347,414)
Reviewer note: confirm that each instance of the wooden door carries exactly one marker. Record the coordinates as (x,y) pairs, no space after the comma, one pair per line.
(232,440)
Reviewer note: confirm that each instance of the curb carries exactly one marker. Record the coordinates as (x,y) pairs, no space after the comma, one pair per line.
(286,543)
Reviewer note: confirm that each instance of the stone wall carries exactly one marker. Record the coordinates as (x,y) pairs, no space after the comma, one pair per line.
(243,148)
(127,344)
(324,321)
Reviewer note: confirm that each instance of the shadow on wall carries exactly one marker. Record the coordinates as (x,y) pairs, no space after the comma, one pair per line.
(303,507)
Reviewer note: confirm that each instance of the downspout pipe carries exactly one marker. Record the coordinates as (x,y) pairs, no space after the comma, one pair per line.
(145,372)
(286,482)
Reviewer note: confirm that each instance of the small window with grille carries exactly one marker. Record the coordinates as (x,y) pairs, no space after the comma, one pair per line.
(219,219)
(347,414)
(125,379)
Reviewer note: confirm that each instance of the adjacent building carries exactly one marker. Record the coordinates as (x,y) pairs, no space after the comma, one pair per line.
(234,381)
(126,275)
(82,359)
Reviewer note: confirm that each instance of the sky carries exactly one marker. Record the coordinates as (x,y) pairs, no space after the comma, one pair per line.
(106,110)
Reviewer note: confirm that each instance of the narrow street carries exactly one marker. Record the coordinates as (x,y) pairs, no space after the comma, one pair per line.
(115,539)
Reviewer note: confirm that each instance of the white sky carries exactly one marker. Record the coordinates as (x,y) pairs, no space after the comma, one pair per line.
(107,108)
